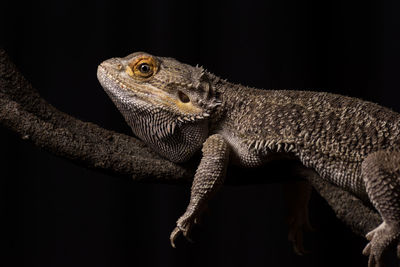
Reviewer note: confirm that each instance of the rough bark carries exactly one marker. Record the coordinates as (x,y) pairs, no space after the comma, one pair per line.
(27,114)
(23,111)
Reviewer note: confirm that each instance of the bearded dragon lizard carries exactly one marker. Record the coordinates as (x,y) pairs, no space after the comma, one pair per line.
(178,109)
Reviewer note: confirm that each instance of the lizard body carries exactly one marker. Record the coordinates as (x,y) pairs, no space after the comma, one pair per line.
(178,110)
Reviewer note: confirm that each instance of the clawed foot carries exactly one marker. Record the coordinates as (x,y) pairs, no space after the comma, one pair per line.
(184,226)
(380,239)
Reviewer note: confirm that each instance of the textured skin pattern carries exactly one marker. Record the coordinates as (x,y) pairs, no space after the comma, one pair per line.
(177,109)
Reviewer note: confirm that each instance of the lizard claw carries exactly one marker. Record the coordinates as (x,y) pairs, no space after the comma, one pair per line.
(380,239)
(176,233)
(183,226)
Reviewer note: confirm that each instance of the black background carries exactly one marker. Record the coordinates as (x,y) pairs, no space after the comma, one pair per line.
(56,213)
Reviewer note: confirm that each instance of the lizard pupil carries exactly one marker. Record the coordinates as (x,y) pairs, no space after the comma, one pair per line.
(144,68)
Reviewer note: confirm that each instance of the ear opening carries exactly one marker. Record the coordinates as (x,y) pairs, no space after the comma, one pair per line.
(183,97)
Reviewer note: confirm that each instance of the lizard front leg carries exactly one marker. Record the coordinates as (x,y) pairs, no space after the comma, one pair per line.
(208,178)
(381,174)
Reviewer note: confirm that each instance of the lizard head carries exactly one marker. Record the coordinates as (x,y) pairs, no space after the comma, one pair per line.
(166,103)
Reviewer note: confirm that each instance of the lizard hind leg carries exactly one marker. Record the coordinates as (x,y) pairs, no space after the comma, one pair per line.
(381,174)
(297,195)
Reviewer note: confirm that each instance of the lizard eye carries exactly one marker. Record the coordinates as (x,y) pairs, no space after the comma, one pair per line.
(143,67)
(183,97)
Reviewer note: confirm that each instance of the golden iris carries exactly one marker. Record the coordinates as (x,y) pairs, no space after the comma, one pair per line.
(143,67)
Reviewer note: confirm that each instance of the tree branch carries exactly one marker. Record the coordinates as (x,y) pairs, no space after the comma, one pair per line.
(24,112)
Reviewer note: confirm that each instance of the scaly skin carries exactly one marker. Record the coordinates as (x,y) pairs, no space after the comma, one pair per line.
(178,109)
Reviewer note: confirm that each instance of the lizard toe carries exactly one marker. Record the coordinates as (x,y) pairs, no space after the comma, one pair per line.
(174,235)
(380,239)
(367,250)
(398,250)
(184,226)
